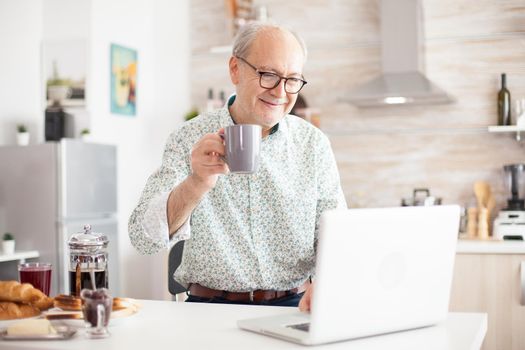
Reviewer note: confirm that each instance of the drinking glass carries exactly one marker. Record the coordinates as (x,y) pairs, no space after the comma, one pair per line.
(36,273)
(96,308)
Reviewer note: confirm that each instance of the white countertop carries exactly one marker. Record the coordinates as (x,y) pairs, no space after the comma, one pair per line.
(490,247)
(19,255)
(176,325)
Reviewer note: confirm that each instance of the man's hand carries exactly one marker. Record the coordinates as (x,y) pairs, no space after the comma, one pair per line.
(207,160)
(207,164)
(304,303)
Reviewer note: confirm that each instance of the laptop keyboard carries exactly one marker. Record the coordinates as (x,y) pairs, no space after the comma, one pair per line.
(301,326)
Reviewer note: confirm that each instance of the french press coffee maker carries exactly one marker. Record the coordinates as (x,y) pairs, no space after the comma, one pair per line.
(88,261)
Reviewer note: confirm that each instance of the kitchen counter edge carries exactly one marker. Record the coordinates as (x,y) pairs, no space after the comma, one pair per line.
(470,246)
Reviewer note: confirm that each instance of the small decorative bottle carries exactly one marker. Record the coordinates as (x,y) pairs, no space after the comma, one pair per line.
(504,105)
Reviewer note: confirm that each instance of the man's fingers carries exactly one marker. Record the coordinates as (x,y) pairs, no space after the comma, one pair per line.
(209,147)
(306,300)
(209,170)
(207,156)
(302,305)
(212,159)
(218,155)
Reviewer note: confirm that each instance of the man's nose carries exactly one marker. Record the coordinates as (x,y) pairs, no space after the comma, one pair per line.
(279,90)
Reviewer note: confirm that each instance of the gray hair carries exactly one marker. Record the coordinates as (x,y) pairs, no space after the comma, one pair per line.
(248,32)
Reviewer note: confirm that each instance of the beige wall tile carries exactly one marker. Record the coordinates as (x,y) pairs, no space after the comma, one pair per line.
(383,153)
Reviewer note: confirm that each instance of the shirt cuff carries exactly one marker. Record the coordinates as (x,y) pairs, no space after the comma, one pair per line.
(155,223)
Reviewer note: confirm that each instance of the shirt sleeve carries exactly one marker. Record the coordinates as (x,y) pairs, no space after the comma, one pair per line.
(330,193)
(155,223)
(148,225)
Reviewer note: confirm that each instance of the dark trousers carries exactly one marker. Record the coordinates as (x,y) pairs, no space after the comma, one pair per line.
(287,300)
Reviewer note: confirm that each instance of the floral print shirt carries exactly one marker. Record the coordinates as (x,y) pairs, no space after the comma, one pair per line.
(255,231)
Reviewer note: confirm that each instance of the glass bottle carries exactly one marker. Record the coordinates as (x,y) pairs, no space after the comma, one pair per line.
(504,103)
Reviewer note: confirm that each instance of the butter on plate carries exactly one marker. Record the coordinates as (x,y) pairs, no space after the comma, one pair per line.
(31,327)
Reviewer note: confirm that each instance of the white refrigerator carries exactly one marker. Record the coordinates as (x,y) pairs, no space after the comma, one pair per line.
(49,191)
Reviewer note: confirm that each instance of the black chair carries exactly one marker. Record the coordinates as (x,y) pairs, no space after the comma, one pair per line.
(174,261)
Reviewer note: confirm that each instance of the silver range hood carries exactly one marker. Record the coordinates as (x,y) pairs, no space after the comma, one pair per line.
(402,56)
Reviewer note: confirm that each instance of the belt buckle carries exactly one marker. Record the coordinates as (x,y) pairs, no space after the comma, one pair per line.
(251,296)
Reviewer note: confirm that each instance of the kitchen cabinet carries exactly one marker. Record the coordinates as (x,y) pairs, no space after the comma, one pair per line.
(491,283)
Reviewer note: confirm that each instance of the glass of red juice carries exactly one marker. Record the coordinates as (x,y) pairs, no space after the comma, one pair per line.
(36,273)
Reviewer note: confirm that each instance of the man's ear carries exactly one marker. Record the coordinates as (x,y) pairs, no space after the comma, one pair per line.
(234,70)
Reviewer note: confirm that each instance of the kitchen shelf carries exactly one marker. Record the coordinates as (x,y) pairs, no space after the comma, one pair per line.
(224,49)
(334,131)
(508,128)
(21,256)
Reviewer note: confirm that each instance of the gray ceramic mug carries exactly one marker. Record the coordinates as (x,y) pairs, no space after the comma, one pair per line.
(243,147)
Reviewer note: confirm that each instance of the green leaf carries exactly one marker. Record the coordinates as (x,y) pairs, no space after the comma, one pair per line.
(8,237)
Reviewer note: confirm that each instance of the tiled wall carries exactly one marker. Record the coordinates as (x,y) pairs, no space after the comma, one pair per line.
(383,153)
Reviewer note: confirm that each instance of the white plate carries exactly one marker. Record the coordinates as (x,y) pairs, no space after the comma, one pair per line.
(62,332)
(117,317)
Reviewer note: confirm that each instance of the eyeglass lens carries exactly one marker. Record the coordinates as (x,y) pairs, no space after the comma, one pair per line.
(270,81)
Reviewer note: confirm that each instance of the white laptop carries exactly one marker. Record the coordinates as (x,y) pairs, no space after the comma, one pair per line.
(378,271)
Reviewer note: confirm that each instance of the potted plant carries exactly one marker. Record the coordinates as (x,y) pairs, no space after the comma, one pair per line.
(58,89)
(85,134)
(22,135)
(8,244)
(191,114)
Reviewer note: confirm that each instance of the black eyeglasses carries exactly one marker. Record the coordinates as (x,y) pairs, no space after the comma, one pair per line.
(269,80)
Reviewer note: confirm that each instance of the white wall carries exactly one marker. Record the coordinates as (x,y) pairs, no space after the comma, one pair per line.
(20,36)
(159,31)
(65,19)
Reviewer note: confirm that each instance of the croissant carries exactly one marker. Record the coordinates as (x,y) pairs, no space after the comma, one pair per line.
(24,293)
(73,303)
(10,310)
(68,302)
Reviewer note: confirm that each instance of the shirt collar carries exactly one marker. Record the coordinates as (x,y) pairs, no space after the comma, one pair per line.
(226,118)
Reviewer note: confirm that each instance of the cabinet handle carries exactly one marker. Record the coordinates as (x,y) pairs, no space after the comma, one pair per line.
(522,283)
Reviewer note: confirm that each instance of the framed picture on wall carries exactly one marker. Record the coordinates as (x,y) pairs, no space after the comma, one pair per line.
(65,68)
(123,61)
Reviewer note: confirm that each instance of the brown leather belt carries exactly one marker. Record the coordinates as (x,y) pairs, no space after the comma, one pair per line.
(256,296)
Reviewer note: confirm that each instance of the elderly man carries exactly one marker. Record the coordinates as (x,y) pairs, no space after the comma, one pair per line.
(250,238)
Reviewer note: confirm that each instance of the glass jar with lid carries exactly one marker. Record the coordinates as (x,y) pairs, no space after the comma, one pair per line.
(88,261)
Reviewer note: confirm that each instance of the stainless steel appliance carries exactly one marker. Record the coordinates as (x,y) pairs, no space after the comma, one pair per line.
(510,223)
(420,197)
(49,191)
